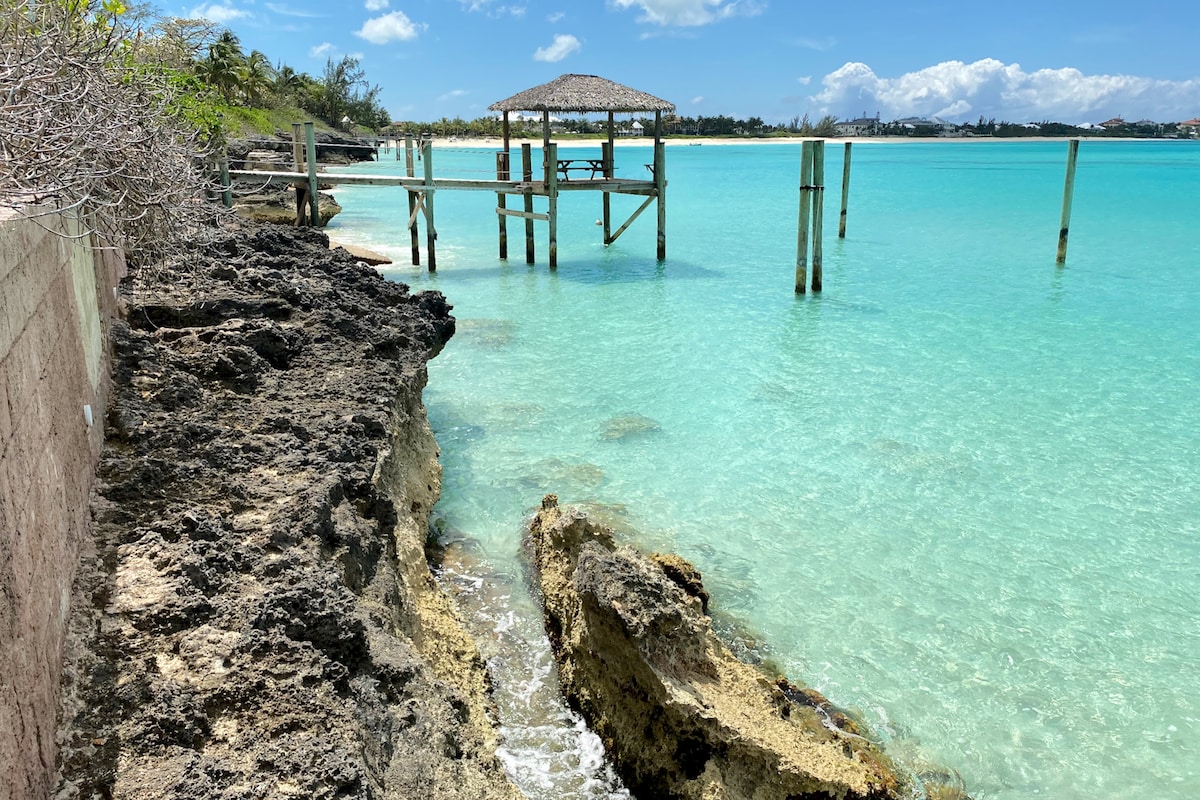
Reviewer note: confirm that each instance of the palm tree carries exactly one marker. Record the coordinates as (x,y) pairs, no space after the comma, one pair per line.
(222,67)
(255,75)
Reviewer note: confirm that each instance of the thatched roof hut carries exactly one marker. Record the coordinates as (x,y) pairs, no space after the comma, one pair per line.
(582,93)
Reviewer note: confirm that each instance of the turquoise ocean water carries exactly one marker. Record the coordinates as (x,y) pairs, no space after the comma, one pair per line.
(958,492)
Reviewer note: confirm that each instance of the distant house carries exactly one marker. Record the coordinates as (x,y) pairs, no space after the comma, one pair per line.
(863,126)
(943,127)
(1115,122)
(1190,127)
(635,129)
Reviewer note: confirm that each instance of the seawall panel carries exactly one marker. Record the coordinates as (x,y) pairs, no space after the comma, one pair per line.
(55,302)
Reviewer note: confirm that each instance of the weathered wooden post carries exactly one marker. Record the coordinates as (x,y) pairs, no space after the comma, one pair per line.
(660,185)
(1068,193)
(606,155)
(552,196)
(410,171)
(300,187)
(818,211)
(527,177)
(310,143)
(845,192)
(502,202)
(226,190)
(430,229)
(806,167)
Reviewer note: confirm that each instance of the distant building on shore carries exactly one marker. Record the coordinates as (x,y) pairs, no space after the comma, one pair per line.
(863,126)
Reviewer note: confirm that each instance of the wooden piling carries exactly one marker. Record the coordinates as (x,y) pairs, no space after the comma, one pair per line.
(552,195)
(410,170)
(527,176)
(502,202)
(430,229)
(818,211)
(806,167)
(300,187)
(845,192)
(226,190)
(310,143)
(606,154)
(660,185)
(1068,194)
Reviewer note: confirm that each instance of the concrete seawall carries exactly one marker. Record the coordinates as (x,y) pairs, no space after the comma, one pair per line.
(56,298)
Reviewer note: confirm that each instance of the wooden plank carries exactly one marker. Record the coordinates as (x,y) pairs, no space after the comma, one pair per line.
(635,215)
(512,212)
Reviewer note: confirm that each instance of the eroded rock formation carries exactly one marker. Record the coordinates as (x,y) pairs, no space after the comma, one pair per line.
(680,715)
(256,618)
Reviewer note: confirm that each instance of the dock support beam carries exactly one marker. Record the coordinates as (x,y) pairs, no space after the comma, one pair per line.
(410,171)
(806,166)
(502,202)
(1064,227)
(300,187)
(527,177)
(845,192)
(552,196)
(310,143)
(430,230)
(606,152)
(818,211)
(660,185)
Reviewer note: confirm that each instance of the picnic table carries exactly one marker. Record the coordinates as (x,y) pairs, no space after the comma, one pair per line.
(593,166)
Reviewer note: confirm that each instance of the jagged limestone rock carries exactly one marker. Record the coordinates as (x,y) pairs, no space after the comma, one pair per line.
(680,715)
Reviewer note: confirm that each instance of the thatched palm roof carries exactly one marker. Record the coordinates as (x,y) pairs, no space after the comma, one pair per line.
(582,93)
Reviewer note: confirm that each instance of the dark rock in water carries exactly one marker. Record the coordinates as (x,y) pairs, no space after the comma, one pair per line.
(257,618)
(278,206)
(628,426)
(681,717)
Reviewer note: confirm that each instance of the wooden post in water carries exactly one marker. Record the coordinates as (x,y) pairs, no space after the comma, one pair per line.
(527,176)
(806,167)
(845,192)
(660,186)
(1068,194)
(430,229)
(502,202)
(410,170)
(818,211)
(310,143)
(606,154)
(552,194)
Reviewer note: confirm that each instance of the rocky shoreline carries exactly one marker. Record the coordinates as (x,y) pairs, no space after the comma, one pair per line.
(256,618)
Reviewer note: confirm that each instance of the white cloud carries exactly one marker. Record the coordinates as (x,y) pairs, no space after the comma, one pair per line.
(288,11)
(393,27)
(804,80)
(691,12)
(698,99)
(493,11)
(322,50)
(555,17)
(376,5)
(564,44)
(215,12)
(453,93)
(990,88)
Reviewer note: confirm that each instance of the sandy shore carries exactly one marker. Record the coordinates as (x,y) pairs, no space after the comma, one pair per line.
(494,143)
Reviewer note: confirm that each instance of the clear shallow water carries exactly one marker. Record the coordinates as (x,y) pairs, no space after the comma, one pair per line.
(956,492)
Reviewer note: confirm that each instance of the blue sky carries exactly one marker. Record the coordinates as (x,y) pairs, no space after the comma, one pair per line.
(1015,60)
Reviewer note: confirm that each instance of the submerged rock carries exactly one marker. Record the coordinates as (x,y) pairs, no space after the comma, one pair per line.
(628,426)
(680,715)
